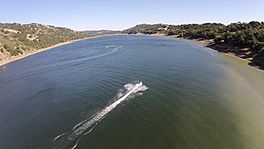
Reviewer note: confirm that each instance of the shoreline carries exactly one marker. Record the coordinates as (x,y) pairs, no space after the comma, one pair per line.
(32,52)
(208,43)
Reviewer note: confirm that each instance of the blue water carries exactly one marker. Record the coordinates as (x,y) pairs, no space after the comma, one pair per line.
(197,98)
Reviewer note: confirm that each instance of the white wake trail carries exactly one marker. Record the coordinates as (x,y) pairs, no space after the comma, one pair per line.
(130,90)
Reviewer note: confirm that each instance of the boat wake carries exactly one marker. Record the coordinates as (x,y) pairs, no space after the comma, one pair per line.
(113,50)
(70,140)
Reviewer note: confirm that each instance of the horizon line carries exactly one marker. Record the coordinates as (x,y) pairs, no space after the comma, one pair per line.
(150,23)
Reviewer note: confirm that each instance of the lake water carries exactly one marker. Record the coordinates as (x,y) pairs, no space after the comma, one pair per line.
(196,97)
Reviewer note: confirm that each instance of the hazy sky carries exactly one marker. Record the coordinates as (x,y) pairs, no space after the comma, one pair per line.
(122,14)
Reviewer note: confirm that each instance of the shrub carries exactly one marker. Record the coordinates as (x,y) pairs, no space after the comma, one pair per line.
(15,52)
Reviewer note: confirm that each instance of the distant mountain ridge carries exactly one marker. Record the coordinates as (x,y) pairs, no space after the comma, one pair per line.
(100,32)
(17,39)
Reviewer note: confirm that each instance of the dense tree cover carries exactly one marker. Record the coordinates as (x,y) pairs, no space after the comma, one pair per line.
(17,38)
(235,36)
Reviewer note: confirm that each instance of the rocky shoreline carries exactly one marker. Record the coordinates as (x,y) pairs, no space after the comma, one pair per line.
(245,53)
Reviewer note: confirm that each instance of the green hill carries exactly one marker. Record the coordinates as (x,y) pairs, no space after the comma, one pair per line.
(17,38)
(246,40)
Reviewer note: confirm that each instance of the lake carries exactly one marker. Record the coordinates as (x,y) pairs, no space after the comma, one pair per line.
(196,97)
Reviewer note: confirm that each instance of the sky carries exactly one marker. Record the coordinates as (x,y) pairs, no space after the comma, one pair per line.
(123,14)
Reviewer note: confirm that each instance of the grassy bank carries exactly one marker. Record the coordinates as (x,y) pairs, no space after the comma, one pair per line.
(20,40)
(28,53)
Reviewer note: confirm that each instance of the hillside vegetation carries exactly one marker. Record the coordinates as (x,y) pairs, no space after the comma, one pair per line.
(17,39)
(245,40)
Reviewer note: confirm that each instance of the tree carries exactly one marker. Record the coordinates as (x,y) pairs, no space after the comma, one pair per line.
(6,46)
(254,24)
(15,52)
(218,39)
